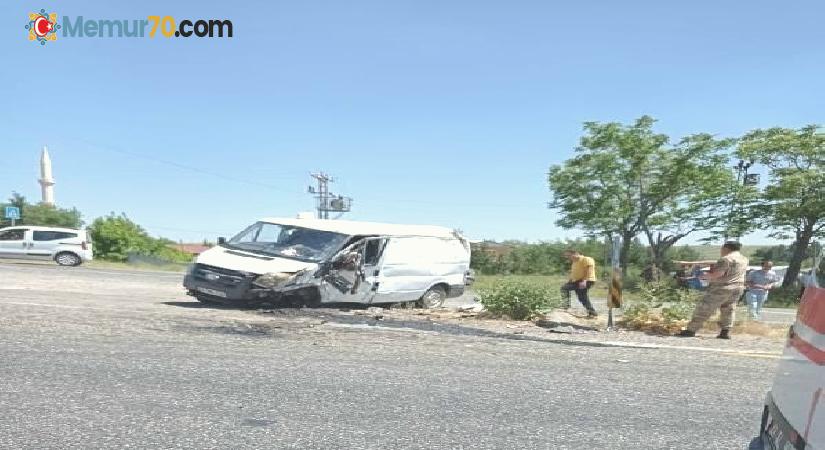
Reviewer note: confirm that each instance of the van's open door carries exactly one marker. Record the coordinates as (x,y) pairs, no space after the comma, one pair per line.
(353,273)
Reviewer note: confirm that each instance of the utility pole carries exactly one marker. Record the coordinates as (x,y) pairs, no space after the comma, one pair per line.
(326,201)
(615,298)
(745,179)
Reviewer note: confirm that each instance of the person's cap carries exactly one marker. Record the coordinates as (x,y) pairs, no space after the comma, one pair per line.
(733,245)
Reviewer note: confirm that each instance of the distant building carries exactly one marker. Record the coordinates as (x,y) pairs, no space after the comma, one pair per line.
(46,180)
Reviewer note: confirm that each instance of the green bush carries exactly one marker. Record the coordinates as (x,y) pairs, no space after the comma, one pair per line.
(518,300)
(678,312)
(632,281)
(637,312)
(661,305)
(666,291)
(116,237)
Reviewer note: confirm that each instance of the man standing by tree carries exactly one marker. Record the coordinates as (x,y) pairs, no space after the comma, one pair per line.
(582,278)
(760,282)
(727,281)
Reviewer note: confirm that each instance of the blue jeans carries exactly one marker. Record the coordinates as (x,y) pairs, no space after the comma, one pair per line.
(755,299)
(581,294)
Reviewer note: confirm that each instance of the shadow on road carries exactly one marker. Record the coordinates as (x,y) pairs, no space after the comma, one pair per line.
(198,305)
(342,316)
(265,308)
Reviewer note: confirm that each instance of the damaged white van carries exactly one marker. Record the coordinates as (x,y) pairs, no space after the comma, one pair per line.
(794,412)
(312,262)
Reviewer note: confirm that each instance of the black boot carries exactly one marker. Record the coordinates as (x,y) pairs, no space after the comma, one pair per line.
(686,333)
(592,314)
(724,334)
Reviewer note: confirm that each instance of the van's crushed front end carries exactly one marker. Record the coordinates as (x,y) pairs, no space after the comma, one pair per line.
(220,285)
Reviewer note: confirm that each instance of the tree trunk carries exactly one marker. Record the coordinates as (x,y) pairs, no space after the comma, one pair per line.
(651,272)
(803,240)
(658,247)
(625,254)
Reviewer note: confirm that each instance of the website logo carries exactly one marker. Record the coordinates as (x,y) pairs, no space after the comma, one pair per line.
(42,26)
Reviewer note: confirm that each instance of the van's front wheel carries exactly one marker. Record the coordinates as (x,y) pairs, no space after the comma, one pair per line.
(206,300)
(433,298)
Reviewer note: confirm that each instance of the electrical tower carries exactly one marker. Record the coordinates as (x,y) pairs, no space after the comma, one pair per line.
(326,201)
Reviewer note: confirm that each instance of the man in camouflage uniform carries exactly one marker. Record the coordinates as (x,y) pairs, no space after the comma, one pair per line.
(727,282)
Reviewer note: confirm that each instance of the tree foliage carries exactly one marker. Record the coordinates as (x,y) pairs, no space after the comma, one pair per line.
(686,188)
(627,180)
(546,258)
(43,215)
(794,200)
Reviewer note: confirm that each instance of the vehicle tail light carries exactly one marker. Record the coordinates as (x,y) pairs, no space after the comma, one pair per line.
(84,246)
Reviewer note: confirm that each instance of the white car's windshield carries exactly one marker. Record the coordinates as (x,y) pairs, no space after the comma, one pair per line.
(287,241)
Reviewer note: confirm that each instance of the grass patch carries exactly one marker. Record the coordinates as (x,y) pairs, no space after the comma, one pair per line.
(553,282)
(491,281)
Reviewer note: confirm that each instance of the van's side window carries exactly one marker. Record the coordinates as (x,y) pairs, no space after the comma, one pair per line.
(372,251)
(51,235)
(13,235)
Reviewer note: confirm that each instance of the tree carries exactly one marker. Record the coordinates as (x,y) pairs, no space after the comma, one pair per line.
(597,190)
(628,180)
(780,254)
(45,215)
(795,198)
(682,193)
(17,200)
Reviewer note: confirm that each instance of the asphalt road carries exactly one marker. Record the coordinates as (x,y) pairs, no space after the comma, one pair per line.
(110,359)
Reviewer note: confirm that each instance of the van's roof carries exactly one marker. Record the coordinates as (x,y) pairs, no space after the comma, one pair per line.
(39,228)
(352,228)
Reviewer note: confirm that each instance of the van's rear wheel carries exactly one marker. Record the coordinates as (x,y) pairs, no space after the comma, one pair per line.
(67,259)
(434,298)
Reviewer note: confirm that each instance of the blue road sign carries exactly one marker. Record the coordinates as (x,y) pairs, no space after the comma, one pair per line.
(12,212)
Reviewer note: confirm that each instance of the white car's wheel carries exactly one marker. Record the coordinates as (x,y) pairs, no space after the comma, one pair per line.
(434,298)
(67,259)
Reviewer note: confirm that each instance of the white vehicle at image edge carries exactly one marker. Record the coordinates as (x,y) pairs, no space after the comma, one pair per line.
(794,413)
(311,261)
(65,246)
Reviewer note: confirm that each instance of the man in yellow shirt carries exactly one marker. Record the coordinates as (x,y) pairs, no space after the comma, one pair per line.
(582,278)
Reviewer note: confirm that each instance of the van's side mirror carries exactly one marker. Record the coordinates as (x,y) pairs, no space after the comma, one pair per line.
(221,240)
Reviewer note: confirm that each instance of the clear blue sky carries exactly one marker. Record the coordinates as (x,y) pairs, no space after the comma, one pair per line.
(426,111)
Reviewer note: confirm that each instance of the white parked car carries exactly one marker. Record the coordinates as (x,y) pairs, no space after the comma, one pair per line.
(66,246)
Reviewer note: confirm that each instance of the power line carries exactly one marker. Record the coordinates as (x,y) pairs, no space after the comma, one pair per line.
(112,149)
(189,231)
(342,203)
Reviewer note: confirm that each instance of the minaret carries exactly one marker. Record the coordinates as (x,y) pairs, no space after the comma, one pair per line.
(46,180)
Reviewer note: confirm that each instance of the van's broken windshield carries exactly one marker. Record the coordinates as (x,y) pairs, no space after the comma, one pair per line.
(286,241)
